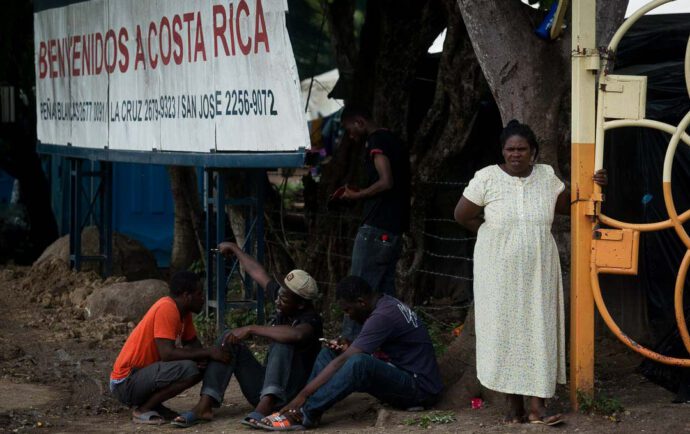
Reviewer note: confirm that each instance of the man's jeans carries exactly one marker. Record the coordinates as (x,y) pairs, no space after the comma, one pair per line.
(374,257)
(283,376)
(363,373)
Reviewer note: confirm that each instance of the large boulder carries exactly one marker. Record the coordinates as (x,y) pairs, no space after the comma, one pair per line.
(130,258)
(128,300)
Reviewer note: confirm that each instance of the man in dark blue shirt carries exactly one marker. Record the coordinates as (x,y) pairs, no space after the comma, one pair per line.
(410,379)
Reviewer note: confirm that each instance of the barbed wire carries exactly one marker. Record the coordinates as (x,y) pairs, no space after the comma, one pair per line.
(441,220)
(438,255)
(462,306)
(439,237)
(454,183)
(451,276)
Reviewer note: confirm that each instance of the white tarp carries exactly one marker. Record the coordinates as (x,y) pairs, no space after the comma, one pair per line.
(173,75)
(320,105)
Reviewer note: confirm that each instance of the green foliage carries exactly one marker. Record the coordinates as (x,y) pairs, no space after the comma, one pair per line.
(309,34)
(598,404)
(432,418)
(236,318)
(205,328)
(439,332)
(290,192)
(197,267)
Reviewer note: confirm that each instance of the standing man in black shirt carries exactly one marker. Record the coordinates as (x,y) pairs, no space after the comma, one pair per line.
(386,204)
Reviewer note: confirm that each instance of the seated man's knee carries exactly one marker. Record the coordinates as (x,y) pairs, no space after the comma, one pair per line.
(278,347)
(188,369)
(359,366)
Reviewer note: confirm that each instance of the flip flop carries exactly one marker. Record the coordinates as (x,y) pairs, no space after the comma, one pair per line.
(278,422)
(544,420)
(189,418)
(149,418)
(253,420)
(167,413)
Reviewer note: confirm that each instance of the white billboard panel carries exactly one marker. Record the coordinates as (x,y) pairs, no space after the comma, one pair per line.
(172,75)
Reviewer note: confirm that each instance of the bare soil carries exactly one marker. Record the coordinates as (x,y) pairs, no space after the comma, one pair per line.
(54,366)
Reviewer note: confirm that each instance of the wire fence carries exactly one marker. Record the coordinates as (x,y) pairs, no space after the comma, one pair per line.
(292,238)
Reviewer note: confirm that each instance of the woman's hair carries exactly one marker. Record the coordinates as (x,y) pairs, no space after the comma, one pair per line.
(515,128)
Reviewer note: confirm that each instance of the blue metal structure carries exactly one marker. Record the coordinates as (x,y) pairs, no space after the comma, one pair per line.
(143,207)
(217,283)
(6,184)
(99,208)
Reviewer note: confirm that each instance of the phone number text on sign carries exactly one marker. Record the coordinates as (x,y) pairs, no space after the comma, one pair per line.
(236,102)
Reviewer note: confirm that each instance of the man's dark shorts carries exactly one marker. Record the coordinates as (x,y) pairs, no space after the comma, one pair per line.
(144,382)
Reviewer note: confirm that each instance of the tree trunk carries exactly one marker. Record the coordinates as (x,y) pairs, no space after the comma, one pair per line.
(441,136)
(187,241)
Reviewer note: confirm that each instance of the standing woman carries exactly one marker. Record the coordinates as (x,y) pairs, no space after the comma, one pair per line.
(518,291)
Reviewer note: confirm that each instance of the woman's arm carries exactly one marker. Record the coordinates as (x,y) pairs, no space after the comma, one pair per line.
(468,214)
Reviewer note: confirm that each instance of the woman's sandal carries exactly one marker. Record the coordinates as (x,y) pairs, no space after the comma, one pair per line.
(286,422)
(550,420)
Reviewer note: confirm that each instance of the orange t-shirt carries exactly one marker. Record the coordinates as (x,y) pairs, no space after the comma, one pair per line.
(162,321)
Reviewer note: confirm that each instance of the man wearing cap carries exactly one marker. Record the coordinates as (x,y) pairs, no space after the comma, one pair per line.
(294,333)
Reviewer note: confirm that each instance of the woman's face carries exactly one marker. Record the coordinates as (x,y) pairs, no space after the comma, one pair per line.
(517,154)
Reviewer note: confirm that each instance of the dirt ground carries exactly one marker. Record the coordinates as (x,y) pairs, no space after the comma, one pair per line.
(54,366)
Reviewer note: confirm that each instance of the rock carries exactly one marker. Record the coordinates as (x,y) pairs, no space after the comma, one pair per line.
(129,300)
(383,418)
(79,295)
(130,258)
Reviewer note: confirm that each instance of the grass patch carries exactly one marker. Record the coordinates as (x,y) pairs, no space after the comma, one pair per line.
(599,404)
(431,418)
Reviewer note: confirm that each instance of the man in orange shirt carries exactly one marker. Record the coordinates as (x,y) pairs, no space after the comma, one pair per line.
(151,368)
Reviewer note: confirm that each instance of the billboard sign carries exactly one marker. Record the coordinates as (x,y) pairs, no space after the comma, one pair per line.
(167,75)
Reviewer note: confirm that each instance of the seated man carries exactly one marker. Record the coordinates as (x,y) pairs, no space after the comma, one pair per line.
(294,335)
(410,379)
(151,368)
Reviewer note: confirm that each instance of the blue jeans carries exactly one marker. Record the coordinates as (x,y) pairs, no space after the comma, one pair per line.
(374,257)
(283,376)
(362,373)
(374,260)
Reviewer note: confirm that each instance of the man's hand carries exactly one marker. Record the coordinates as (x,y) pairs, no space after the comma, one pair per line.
(220,355)
(227,248)
(295,405)
(237,335)
(601,177)
(339,345)
(350,194)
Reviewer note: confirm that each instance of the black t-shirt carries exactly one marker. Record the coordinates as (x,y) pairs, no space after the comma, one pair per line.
(389,210)
(308,350)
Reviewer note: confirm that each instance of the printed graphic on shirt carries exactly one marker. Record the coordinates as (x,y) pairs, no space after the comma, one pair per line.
(409,315)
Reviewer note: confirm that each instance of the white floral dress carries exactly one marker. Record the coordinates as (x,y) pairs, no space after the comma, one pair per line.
(518,291)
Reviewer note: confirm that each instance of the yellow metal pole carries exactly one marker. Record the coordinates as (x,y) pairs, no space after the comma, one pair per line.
(584,68)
